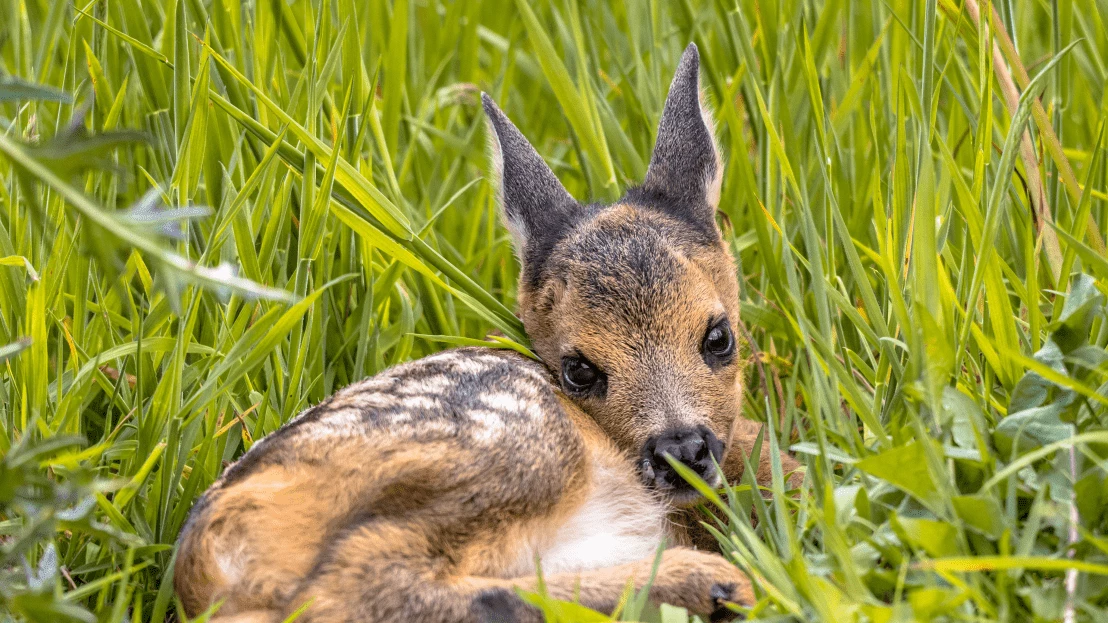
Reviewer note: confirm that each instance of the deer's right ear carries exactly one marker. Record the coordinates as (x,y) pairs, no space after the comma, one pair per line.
(537,208)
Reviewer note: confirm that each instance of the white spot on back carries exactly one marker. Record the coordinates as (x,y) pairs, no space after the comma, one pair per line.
(489,425)
(231,562)
(417,403)
(505,402)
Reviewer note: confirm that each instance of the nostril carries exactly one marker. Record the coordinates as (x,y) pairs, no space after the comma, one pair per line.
(702,452)
(691,449)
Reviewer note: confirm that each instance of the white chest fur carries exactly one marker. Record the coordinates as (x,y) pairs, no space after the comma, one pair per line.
(618,523)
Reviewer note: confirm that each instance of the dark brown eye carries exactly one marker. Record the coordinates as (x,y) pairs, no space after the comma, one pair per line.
(719,343)
(581,377)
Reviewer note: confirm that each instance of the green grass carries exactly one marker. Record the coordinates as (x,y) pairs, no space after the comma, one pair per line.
(924,292)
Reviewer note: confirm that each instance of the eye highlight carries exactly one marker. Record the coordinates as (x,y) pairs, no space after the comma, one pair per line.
(718,348)
(581,377)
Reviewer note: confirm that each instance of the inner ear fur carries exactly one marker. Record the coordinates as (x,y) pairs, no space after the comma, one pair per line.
(537,209)
(686,169)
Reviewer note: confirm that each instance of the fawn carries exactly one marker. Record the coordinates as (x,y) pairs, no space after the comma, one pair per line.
(428,492)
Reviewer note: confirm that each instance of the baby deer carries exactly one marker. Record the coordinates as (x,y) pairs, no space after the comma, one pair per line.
(428,492)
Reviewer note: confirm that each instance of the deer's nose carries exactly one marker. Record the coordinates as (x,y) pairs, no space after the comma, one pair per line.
(693,446)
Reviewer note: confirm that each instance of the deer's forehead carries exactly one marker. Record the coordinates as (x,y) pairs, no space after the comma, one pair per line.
(632,293)
(627,252)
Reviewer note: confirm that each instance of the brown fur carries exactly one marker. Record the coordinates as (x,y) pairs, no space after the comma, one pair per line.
(375,520)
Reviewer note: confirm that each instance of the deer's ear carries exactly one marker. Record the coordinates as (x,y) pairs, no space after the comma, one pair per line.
(536,207)
(686,168)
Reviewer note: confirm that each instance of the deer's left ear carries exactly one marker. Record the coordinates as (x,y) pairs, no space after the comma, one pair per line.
(686,169)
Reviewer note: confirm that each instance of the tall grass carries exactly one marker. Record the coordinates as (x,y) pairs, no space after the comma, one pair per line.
(214,214)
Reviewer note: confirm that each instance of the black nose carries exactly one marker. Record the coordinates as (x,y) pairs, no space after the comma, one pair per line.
(692,446)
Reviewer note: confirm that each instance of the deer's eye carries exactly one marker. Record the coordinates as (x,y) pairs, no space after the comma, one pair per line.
(719,344)
(581,377)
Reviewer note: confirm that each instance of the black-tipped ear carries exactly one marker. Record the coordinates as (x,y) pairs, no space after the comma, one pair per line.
(686,169)
(536,206)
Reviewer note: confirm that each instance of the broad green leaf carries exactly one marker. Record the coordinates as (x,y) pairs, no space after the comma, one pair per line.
(904,467)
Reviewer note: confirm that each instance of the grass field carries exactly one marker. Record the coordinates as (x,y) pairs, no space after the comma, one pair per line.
(922,280)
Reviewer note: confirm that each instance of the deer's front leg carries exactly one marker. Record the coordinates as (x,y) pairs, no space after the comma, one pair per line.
(696,580)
